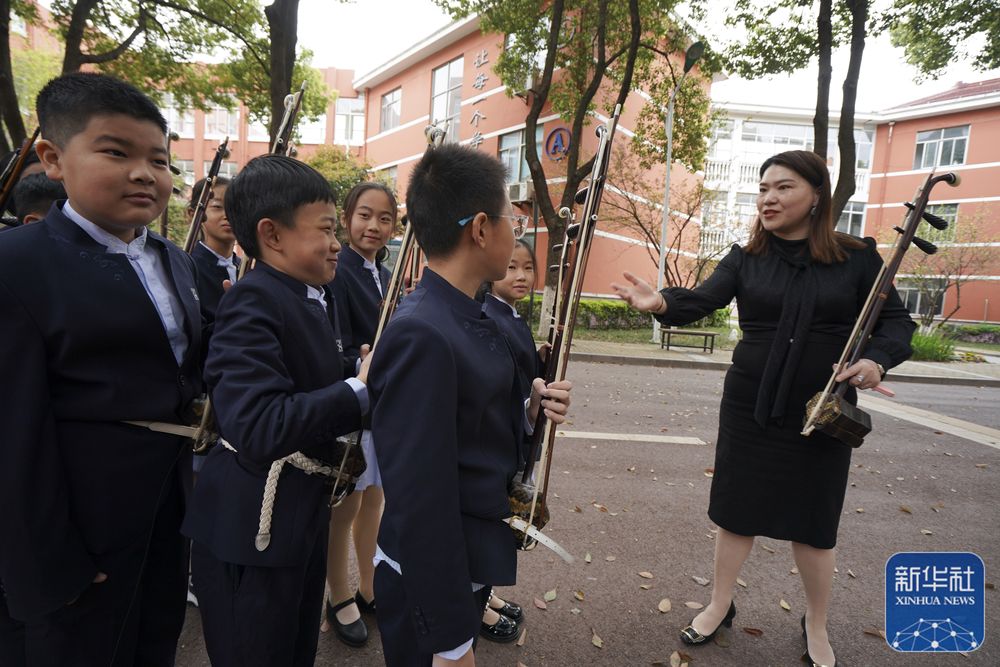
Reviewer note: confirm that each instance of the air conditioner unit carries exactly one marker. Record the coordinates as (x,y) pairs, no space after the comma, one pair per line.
(521,192)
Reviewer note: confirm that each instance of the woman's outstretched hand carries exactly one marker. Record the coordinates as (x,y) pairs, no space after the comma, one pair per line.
(640,295)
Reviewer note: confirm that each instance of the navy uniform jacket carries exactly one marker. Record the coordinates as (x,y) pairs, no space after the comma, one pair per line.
(448,417)
(210,276)
(358,299)
(83,349)
(274,373)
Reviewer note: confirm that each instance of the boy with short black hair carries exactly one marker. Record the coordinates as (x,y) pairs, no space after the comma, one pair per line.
(100,326)
(448,418)
(213,255)
(275,371)
(33,197)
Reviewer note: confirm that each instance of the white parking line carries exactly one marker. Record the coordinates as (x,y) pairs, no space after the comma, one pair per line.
(951,370)
(632,437)
(984,435)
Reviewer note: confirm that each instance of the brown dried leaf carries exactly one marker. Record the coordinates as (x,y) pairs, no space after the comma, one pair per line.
(860,510)
(924,531)
(600,507)
(576,508)
(982,465)
(701,581)
(875,632)
(753,632)
(610,559)
(550,595)
(595,640)
(646,575)
(675,659)
(741,582)
(645,587)
(785,605)
(850,573)
(794,570)
(540,604)
(694,605)
(722,639)
(664,605)
(904,508)
(578,595)
(990,586)
(524,635)
(586,557)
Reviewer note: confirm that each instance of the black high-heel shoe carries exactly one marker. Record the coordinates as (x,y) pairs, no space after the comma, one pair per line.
(353,634)
(692,637)
(364,605)
(808,658)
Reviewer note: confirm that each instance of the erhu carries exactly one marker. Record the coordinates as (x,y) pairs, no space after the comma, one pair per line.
(12,172)
(828,411)
(528,500)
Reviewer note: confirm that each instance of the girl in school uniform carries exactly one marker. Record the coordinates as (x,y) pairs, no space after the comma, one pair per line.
(501,618)
(369,216)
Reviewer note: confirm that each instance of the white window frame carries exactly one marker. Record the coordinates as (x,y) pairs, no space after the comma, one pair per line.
(232,122)
(852,219)
(452,96)
(931,145)
(349,124)
(391,102)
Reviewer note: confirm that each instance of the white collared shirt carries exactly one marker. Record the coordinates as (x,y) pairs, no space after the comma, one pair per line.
(512,308)
(227,262)
(316,294)
(153,275)
(373,269)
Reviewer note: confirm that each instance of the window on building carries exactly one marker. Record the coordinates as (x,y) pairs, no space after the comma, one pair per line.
(257,131)
(186,168)
(779,134)
(940,148)
(922,297)
(313,131)
(349,125)
(746,209)
(392,105)
(221,122)
(512,153)
(227,169)
(178,120)
(390,174)
(863,148)
(852,219)
(947,235)
(18,25)
(446,96)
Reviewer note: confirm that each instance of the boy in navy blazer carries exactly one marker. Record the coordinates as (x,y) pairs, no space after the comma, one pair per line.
(275,372)
(100,326)
(213,255)
(448,418)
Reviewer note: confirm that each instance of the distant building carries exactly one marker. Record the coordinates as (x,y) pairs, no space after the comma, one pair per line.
(957,130)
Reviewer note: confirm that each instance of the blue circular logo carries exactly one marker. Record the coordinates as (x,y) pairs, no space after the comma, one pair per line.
(557,144)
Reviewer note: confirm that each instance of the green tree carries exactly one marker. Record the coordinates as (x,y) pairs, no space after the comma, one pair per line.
(580,57)
(934,35)
(341,169)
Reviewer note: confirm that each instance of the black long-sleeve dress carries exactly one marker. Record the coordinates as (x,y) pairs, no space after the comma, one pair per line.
(796,316)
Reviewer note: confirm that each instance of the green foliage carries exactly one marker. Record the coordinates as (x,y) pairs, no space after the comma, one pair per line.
(246,75)
(932,346)
(341,169)
(717,319)
(32,69)
(177,222)
(973,333)
(599,314)
(934,35)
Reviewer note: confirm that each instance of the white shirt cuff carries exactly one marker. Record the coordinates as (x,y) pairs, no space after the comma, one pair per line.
(456,653)
(361,391)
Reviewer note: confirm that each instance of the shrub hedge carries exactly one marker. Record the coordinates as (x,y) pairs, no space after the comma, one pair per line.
(616,314)
(932,347)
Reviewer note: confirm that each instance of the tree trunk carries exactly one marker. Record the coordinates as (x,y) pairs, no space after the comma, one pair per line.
(10,111)
(845,137)
(821,121)
(73,57)
(282,21)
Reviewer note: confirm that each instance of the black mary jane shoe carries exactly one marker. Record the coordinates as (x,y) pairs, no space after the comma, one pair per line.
(364,605)
(511,610)
(353,634)
(503,631)
(692,637)
(806,658)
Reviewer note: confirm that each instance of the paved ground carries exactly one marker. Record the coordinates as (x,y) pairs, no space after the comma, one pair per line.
(656,494)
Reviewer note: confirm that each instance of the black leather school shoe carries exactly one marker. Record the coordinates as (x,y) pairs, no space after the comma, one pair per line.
(692,637)
(806,658)
(353,634)
(364,605)
(503,631)
(511,610)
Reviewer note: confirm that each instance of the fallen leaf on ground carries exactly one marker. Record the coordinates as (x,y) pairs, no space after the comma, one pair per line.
(609,558)
(578,595)
(860,510)
(767,548)
(722,639)
(574,610)
(645,587)
(540,604)
(904,508)
(924,531)
(694,605)
(990,586)
(595,640)
(785,605)
(646,575)
(701,581)
(794,570)
(850,573)
(753,632)
(675,659)
(875,632)
(982,465)
(586,557)
(664,605)
(741,582)
(550,595)
(577,509)
(600,507)
(524,635)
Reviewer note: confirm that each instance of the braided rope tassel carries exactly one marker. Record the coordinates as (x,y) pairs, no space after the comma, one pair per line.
(300,461)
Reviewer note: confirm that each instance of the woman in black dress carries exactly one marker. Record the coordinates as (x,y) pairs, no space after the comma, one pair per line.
(799,287)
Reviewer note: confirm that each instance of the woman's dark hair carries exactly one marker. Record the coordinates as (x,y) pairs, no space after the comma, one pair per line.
(197,187)
(271,186)
(351,201)
(825,244)
(450,183)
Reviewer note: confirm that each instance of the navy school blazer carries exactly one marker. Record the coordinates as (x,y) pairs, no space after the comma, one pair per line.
(518,333)
(209,276)
(358,299)
(83,349)
(274,371)
(447,421)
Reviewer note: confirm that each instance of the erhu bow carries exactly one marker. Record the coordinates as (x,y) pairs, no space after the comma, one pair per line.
(828,411)
(12,170)
(282,140)
(201,207)
(527,500)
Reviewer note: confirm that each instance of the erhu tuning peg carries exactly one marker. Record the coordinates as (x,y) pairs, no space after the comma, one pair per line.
(898,230)
(581,195)
(935,221)
(928,247)
(175,170)
(572,230)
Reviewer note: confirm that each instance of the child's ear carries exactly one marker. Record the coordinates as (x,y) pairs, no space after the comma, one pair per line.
(478,227)
(50,156)
(269,234)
